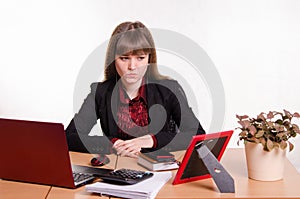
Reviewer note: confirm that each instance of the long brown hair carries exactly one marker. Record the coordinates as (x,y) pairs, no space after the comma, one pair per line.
(131,38)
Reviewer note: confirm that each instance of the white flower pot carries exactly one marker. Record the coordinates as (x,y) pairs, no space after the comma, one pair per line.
(264,165)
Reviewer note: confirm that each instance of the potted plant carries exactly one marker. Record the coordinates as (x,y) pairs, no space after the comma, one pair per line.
(266,139)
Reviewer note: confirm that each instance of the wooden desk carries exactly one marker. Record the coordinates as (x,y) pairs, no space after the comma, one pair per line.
(233,160)
(12,190)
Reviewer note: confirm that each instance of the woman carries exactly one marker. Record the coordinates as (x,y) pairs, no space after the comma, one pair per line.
(138,108)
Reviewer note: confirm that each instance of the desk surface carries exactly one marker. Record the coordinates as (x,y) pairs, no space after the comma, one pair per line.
(233,160)
(12,190)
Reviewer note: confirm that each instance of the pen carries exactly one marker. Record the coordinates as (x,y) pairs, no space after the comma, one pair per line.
(116,161)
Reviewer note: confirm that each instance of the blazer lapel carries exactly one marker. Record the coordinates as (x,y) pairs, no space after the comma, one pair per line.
(112,99)
(157,121)
(152,95)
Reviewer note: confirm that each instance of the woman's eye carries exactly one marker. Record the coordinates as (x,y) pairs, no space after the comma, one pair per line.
(141,58)
(124,58)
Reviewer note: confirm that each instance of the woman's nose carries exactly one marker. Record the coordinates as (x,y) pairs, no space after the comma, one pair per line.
(132,64)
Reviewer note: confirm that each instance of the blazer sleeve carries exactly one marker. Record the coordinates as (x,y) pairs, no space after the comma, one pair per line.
(182,124)
(78,130)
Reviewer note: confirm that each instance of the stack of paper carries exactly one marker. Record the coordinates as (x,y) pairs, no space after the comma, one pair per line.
(146,189)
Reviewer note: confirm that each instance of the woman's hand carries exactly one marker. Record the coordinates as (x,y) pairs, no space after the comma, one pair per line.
(132,148)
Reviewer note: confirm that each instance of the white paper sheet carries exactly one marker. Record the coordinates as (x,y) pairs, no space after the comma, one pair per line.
(146,189)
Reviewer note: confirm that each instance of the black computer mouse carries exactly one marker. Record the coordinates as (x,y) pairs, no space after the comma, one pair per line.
(101,160)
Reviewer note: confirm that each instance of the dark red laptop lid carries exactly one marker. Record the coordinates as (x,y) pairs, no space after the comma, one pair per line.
(34,152)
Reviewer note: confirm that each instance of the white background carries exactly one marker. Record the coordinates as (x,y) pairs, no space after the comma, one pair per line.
(254,45)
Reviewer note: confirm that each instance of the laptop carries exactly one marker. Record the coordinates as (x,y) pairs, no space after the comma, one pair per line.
(192,167)
(37,152)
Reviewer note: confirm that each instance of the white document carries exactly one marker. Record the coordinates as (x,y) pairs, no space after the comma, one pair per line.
(146,189)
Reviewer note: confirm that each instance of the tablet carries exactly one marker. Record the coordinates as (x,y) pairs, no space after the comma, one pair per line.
(192,167)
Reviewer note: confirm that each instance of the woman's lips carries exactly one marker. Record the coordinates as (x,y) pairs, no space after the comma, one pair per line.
(131,75)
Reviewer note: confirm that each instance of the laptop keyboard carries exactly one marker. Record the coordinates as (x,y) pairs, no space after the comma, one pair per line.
(82,178)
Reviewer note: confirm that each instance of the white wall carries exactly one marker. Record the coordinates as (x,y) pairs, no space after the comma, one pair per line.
(254,45)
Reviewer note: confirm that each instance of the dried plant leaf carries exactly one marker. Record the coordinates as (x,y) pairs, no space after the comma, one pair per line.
(296,115)
(270,124)
(287,113)
(259,134)
(280,135)
(291,146)
(261,116)
(270,115)
(279,121)
(242,117)
(244,124)
(262,140)
(270,145)
(252,130)
(295,127)
(243,134)
(275,144)
(283,145)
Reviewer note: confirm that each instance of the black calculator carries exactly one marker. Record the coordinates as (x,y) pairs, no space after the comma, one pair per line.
(125,176)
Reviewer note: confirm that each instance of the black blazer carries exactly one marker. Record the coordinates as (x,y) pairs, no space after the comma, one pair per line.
(171,119)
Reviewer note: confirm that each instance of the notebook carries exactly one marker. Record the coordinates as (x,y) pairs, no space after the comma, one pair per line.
(37,152)
(192,167)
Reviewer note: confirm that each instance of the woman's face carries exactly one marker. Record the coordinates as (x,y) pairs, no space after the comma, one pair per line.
(132,68)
